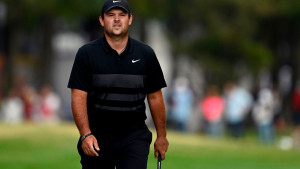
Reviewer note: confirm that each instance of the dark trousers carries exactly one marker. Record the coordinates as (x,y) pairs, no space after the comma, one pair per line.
(237,130)
(123,150)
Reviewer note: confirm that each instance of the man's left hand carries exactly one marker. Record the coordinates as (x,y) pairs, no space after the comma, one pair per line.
(161,146)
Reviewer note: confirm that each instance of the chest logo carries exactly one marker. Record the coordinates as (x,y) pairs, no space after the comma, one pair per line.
(134,61)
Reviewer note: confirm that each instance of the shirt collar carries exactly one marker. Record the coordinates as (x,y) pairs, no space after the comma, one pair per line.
(108,48)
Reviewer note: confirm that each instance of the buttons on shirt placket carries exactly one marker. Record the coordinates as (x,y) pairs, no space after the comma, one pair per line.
(119,64)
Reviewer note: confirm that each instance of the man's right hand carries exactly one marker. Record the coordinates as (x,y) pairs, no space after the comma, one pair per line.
(89,144)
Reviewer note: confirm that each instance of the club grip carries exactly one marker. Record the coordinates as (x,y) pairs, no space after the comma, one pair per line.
(159,161)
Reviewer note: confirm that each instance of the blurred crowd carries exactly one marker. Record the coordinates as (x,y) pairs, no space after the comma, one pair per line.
(230,109)
(226,110)
(25,103)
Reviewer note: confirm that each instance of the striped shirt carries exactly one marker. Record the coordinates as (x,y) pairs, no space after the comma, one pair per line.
(117,85)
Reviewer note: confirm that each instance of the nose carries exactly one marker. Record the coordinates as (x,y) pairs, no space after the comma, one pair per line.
(117,18)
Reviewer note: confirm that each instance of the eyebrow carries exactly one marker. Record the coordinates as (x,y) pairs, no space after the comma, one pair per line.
(116,13)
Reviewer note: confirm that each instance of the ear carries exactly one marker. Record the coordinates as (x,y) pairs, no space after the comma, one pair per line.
(101,21)
(130,19)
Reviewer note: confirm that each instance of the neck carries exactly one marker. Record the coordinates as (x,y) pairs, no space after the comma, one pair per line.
(117,43)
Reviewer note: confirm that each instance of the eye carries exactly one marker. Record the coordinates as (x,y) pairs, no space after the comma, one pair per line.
(110,14)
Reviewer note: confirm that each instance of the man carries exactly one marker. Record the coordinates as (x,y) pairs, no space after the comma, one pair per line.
(110,79)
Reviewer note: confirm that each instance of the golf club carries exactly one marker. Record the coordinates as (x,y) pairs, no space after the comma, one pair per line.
(159,161)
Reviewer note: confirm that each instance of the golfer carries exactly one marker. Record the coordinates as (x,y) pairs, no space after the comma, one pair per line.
(110,79)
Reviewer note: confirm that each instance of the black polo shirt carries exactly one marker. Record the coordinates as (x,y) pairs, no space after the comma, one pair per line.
(117,85)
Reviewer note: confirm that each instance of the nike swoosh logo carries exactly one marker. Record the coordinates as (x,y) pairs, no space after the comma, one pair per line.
(116,1)
(133,61)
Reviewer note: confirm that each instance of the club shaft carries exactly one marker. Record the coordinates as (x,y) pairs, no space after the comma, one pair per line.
(159,161)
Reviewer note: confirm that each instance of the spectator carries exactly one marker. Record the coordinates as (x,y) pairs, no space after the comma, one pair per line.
(212,107)
(49,104)
(29,96)
(296,111)
(182,101)
(296,105)
(263,115)
(12,108)
(238,104)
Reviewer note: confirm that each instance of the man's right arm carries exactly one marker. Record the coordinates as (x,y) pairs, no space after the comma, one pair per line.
(79,110)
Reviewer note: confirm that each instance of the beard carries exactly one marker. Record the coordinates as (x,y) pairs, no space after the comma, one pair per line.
(117,33)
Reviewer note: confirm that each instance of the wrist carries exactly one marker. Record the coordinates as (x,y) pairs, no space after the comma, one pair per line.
(162,132)
(85,136)
(161,135)
(83,132)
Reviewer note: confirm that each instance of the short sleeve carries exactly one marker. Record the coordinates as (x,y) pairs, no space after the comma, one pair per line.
(155,79)
(80,74)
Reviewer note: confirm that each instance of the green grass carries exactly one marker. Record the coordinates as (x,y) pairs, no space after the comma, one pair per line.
(54,147)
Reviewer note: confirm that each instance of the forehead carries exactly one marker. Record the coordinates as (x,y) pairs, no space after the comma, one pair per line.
(116,10)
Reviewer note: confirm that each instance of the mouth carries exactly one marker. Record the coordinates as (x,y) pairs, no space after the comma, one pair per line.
(116,26)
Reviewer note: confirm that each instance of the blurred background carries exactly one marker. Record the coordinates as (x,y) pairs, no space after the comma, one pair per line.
(231,65)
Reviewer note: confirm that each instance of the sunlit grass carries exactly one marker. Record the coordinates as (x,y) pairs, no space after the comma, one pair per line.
(32,146)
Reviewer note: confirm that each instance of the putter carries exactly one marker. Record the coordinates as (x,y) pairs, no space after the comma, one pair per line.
(159,161)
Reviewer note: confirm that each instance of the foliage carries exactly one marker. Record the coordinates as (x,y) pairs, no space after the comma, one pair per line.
(218,33)
(30,13)
(223,33)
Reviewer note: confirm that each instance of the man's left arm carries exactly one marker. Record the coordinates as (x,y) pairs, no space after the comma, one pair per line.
(158,112)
